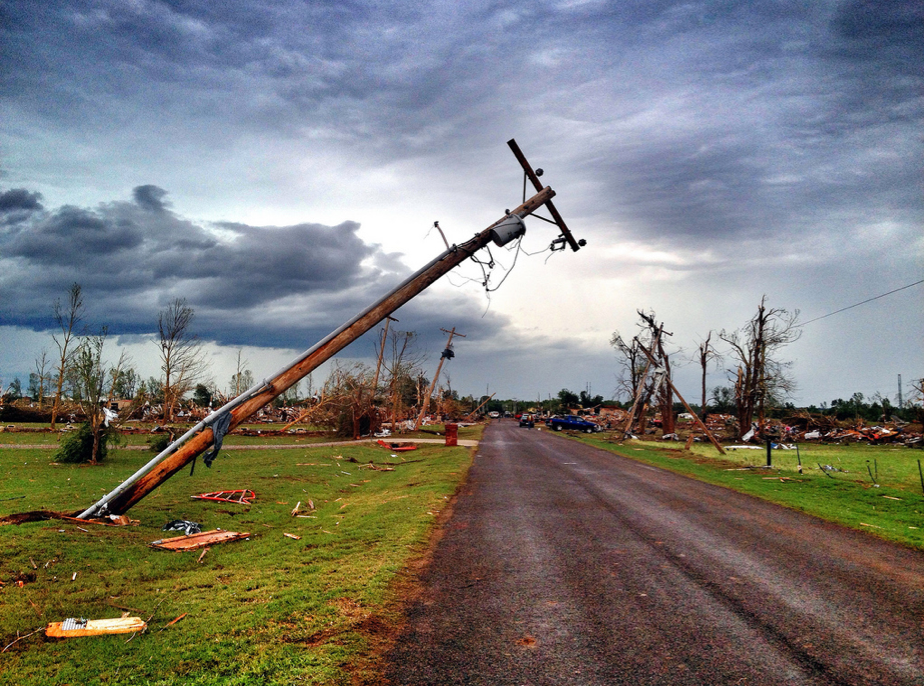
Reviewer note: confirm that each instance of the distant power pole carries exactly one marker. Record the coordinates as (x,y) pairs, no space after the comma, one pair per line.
(899,391)
(447,355)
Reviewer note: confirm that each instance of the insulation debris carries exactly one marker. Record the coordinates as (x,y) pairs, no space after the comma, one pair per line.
(72,628)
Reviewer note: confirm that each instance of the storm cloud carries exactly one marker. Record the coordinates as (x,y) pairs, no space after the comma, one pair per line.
(132,257)
(710,152)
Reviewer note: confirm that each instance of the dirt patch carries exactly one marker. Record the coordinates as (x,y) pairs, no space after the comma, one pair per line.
(26,517)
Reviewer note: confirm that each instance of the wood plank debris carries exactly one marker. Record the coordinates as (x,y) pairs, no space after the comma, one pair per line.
(196,541)
(240,496)
(73,628)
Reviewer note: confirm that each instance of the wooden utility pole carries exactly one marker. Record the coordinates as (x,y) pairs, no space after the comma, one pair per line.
(447,353)
(195,441)
(705,429)
(378,365)
(472,413)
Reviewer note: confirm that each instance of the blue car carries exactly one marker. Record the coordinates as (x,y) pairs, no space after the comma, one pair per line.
(573,423)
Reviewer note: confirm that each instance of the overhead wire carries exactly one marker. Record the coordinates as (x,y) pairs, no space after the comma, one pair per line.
(868,300)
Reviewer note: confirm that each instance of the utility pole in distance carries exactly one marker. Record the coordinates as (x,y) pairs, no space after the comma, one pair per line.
(447,355)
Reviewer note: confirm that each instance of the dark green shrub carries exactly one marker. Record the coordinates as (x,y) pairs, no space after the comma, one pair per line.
(159,443)
(77,447)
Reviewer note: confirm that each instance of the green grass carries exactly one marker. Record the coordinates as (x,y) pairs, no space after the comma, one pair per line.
(894,510)
(268,610)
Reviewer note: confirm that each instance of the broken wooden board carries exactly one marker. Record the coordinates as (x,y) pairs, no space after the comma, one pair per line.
(196,541)
(397,447)
(112,520)
(72,628)
(241,496)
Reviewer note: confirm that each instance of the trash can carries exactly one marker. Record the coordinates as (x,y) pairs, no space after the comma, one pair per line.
(452,434)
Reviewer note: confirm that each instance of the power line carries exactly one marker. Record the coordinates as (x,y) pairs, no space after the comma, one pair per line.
(869,300)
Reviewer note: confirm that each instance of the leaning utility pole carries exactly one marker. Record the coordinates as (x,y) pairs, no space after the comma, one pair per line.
(378,365)
(702,425)
(472,413)
(447,355)
(226,418)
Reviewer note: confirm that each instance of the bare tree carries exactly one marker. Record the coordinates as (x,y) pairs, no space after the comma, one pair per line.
(67,317)
(665,392)
(42,376)
(402,364)
(761,379)
(916,402)
(242,379)
(632,365)
(635,377)
(92,382)
(181,356)
(706,352)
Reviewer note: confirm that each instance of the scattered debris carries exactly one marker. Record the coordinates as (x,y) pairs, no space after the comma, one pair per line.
(111,520)
(293,536)
(182,525)
(10,645)
(72,628)
(397,447)
(200,540)
(171,623)
(241,496)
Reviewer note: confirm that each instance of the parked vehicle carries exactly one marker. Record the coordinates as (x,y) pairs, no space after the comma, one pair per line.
(527,421)
(573,423)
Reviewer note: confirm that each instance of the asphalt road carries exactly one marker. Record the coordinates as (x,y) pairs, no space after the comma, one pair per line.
(563,564)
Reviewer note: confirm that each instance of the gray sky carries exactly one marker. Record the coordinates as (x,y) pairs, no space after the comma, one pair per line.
(280,165)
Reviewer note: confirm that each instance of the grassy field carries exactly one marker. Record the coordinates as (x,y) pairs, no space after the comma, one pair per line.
(268,610)
(876,489)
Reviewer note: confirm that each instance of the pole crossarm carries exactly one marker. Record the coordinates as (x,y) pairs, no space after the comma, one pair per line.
(534,178)
(195,441)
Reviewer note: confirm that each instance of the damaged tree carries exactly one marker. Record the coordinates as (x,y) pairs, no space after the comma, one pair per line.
(67,319)
(180,353)
(89,376)
(644,386)
(761,379)
(664,390)
(211,430)
(705,353)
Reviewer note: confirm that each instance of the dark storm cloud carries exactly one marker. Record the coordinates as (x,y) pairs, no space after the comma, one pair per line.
(17,204)
(150,197)
(765,120)
(18,199)
(132,257)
